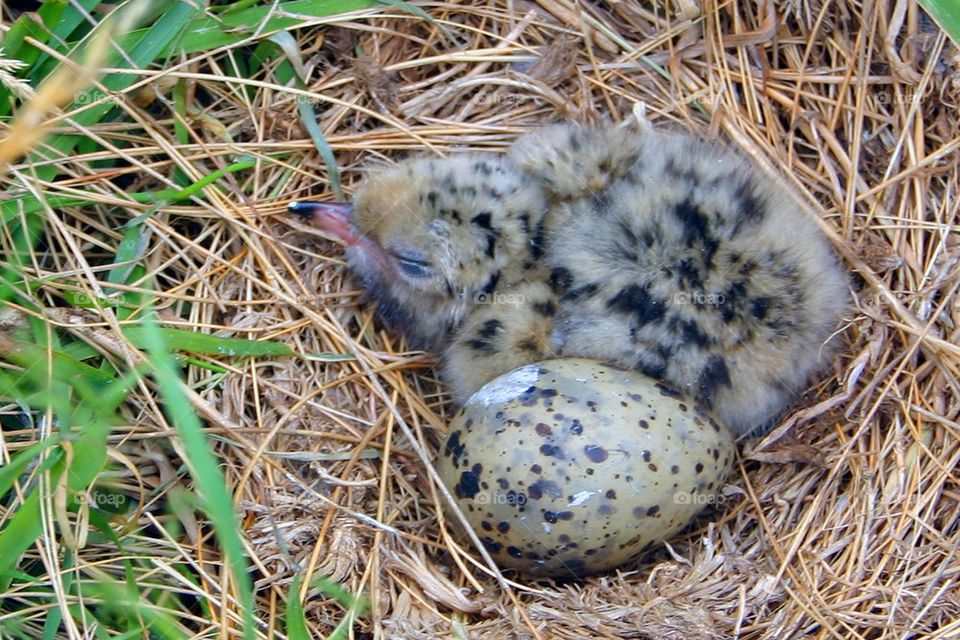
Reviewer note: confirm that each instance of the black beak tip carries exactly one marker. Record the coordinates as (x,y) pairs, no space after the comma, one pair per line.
(302,209)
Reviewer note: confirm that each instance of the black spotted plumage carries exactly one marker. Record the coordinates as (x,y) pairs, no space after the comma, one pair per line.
(652,251)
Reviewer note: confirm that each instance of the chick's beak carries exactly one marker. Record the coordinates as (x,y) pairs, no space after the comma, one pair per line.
(332,217)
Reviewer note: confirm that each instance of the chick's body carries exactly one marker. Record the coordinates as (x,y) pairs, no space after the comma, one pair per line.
(652,251)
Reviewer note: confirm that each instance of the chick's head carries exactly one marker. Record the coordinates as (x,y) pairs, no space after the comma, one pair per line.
(428,236)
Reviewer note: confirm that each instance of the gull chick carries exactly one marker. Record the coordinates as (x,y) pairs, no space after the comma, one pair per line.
(653,251)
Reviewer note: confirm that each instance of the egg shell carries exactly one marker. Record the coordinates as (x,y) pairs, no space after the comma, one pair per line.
(571,467)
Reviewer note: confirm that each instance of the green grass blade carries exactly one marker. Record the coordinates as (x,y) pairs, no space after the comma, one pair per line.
(296,621)
(129,253)
(20,462)
(18,534)
(946,13)
(62,23)
(27,204)
(308,116)
(64,368)
(126,601)
(142,51)
(195,342)
(218,503)
(330,357)
(85,468)
(231,27)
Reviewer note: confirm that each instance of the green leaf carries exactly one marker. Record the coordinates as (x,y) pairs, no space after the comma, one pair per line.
(27,204)
(102,524)
(62,24)
(63,367)
(195,342)
(946,13)
(148,46)
(180,131)
(205,33)
(19,534)
(19,463)
(296,621)
(146,620)
(330,357)
(27,25)
(131,249)
(25,236)
(218,503)
(420,13)
(91,447)
(308,116)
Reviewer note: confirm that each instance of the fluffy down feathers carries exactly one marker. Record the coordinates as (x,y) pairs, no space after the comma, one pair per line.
(648,250)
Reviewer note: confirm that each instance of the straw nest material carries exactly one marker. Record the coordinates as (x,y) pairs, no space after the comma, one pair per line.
(841,523)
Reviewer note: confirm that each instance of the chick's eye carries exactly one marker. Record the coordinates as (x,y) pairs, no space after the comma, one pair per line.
(413,265)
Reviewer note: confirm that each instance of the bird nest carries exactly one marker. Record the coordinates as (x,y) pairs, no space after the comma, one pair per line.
(843,521)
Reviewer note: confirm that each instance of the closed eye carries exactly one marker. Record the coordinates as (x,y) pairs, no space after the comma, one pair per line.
(413,266)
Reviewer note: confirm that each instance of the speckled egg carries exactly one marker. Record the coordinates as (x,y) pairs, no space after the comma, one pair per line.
(570,467)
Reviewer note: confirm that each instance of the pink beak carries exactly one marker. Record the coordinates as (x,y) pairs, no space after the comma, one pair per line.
(332,217)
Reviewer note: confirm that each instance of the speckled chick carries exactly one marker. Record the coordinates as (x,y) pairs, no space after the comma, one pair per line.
(653,251)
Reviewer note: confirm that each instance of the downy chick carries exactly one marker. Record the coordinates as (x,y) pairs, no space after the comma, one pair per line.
(653,251)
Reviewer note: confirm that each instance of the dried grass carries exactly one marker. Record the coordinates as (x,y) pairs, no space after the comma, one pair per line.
(842,523)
